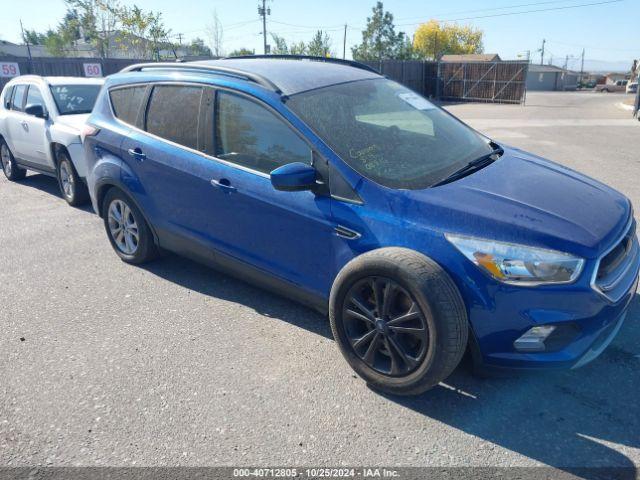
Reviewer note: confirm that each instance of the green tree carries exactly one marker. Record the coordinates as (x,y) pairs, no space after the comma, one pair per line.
(279,46)
(433,39)
(33,38)
(242,52)
(320,45)
(55,44)
(379,39)
(142,32)
(98,19)
(405,49)
(198,48)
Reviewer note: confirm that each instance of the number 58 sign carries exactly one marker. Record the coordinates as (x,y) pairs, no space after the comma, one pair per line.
(9,69)
(92,70)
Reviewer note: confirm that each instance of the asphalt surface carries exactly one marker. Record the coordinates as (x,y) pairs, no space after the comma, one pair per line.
(102,363)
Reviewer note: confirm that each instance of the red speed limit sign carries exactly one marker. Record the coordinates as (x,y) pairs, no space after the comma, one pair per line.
(92,70)
(9,69)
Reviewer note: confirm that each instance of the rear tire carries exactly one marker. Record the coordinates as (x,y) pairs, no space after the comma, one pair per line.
(72,188)
(11,170)
(380,306)
(126,228)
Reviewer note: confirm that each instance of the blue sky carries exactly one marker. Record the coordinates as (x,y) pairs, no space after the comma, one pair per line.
(609,32)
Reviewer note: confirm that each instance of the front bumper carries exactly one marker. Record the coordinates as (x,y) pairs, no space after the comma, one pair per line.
(585,318)
(594,321)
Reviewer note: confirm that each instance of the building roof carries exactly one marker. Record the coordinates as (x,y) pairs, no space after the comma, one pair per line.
(472,57)
(533,68)
(295,76)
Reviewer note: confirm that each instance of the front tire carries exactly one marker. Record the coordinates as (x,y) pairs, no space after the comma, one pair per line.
(399,320)
(73,190)
(126,228)
(9,166)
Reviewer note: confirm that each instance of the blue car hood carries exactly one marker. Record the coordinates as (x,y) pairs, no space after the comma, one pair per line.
(525,199)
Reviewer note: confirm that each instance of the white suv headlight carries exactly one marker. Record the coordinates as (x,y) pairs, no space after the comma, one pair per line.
(519,264)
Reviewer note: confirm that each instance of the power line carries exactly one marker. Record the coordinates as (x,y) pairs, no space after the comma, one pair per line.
(519,13)
(310,27)
(504,14)
(493,9)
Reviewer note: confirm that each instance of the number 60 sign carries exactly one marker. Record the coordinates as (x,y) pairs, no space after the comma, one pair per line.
(92,69)
(9,69)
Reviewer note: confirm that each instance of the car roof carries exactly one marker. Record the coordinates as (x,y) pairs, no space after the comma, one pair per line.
(295,75)
(58,80)
(73,81)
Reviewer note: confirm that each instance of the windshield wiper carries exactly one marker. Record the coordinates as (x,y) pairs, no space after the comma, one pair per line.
(473,166)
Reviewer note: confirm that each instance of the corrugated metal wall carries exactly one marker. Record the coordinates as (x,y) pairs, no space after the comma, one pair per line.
(65,67)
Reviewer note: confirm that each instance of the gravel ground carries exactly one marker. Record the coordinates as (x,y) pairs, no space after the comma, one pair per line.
(102,363)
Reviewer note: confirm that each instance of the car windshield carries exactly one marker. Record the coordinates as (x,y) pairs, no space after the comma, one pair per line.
(388,133)
(75,99)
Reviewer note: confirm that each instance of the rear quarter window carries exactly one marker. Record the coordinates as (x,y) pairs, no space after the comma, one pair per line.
(18,97)
(7,97)
(126,102)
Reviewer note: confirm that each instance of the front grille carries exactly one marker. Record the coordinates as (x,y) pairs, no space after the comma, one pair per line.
(618,268)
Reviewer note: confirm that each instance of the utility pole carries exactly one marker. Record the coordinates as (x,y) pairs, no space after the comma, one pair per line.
(582,65)
(344,43)
(25,41)
(566,62)
(435,47)
(263,12)
(542,52)
(180,38)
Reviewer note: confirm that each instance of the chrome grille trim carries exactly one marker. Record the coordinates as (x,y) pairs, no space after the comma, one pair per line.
(622,271)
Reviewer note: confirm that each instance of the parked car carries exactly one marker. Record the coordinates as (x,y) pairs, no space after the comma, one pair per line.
(40,123)
(344,190)
(632,87)
(617,86)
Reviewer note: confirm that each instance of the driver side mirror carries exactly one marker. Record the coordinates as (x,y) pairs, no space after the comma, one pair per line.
(294,177)
(36,110)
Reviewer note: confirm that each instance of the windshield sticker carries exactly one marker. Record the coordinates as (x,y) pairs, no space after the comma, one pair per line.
(416,101)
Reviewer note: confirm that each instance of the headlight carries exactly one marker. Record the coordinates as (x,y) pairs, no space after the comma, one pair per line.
(519,264)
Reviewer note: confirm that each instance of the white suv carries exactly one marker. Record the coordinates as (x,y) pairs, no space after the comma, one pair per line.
(41,119)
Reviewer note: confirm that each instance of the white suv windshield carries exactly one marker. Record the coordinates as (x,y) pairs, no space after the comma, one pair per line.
(75,99)
(388,133)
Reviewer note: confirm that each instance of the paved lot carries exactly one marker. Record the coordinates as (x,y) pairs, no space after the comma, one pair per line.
(102,363)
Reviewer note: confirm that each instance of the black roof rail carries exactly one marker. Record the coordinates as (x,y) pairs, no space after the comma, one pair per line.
(203,67)
(350,63)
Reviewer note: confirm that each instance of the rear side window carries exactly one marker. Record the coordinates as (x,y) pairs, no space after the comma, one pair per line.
(18,97)
(7,97)
(173,113)
(126,102)
(252,136)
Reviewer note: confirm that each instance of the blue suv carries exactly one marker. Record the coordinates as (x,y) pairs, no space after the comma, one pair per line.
(327,182)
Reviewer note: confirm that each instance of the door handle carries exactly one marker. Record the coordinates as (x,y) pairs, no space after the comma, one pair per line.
(223,184)
(137,154)
(25,125)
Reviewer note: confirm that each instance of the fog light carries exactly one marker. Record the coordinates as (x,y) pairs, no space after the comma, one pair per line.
(533,339)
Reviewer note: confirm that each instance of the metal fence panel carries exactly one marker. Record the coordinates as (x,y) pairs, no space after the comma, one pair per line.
(497,82)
